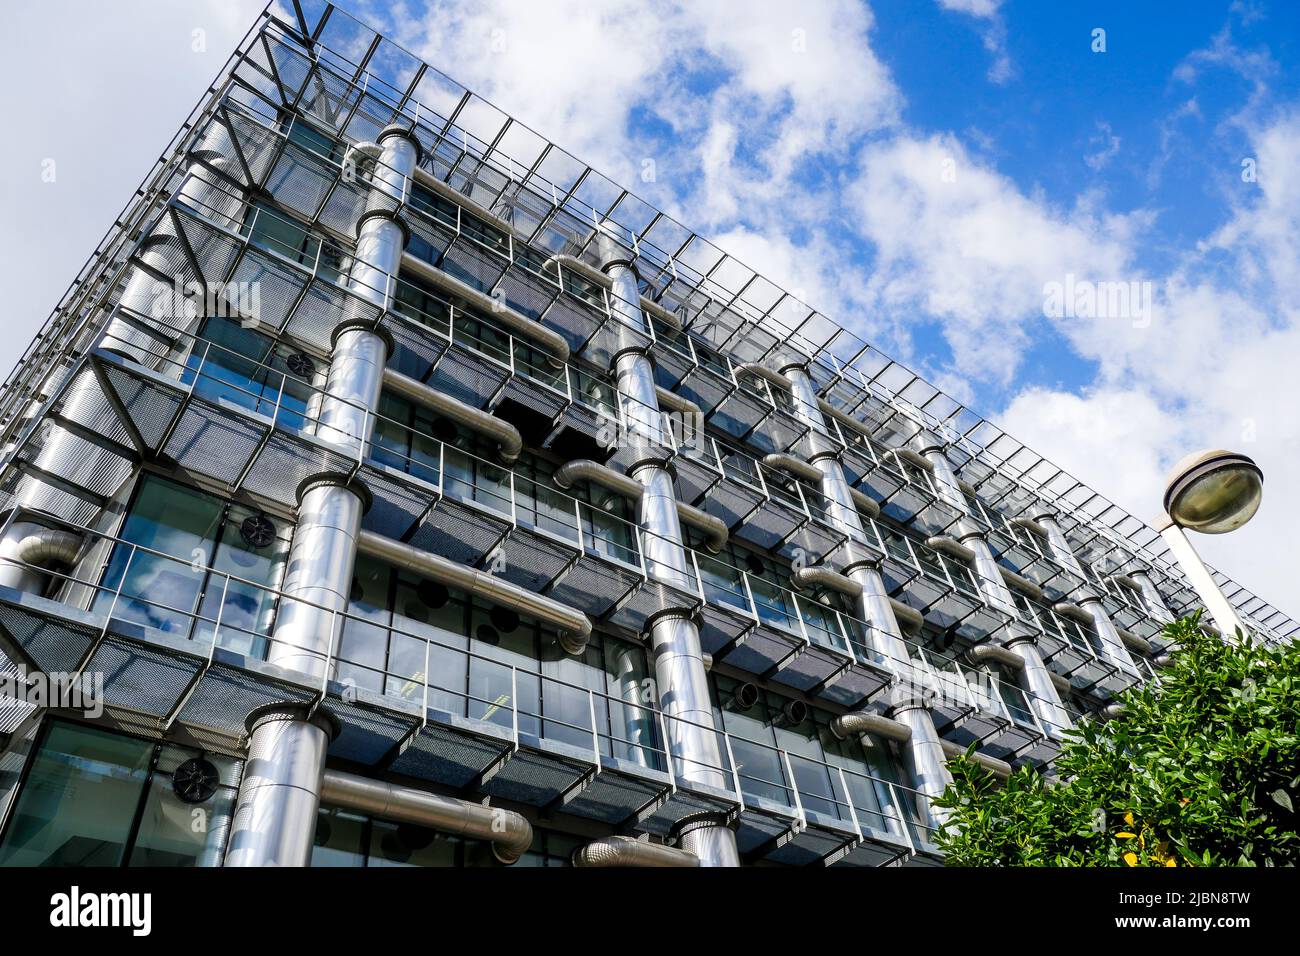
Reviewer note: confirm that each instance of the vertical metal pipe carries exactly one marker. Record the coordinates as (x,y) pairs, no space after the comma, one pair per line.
(1152,598)
(1113,650)
(275,817)
(1034,678)
(922,754)
(674,639)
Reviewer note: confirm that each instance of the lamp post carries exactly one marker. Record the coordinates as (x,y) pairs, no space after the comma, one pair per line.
(1213,492)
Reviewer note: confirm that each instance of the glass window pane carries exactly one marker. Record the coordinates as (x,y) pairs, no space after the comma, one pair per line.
(175,833)
(158,591)
(79,801)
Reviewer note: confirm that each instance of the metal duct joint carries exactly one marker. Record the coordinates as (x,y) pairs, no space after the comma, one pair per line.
(509,833)
(507,437)
(951,546)
(1111,711)
(1136,641)
(909,618)
(864,503)
(575,627)
(515,322)
(860,722)
(48,546)
(1072,610)
(1022,584)
(999,768)
(629,851)
(760,370)
(583,469)
(823,577)
(793,466)
(993,653)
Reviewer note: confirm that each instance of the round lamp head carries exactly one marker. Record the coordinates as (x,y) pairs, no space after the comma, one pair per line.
(1214,491)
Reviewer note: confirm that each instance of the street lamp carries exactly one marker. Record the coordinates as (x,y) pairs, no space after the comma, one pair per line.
(1212,492)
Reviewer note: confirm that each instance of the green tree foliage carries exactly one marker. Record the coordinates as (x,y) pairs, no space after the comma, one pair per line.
(1201,770)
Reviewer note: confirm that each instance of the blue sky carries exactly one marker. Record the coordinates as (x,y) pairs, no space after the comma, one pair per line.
(917,170)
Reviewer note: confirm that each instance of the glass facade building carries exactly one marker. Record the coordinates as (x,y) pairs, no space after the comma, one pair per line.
(410,494)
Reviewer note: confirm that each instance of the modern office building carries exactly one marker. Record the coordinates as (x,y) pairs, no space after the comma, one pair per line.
(391,488)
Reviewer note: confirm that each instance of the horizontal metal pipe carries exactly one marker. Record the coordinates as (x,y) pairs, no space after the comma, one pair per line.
(629,851)
(583,469)
(1136,641)
(1111,711)
(793,466)
(1022,584)
(909,618)
(509,833)
(575,627)
(1029,524)
(916,459)
(677,403)
(999,768)
(545,339)
(434,184)
(1062,684)
(846,726)
(1128,582)
(769,375)
(823,577)
(864,503)
(951,546)
(986,653)
(507,437)
(48,545)
(1070,609)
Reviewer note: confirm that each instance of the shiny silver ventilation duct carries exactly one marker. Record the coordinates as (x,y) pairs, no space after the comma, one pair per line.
(1034,677)
(1113,650)
(791,465)
(145,294)
(999,768)
(847,726)
(509,833)
(995,654)
(30,548)
(573,625)
(548,341)
(884,616)
(582,469)
(510,443)
(806,578)
(592,274)
(629,851)
(674,640)
(275,816)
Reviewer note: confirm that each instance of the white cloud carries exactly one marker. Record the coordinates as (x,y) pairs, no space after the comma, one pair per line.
(958,241)
(1106,147)
(976,8)
(1215,369)
(99,89)
(994,33)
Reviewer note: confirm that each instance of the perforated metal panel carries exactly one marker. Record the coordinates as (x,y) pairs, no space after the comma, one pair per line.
(448,754)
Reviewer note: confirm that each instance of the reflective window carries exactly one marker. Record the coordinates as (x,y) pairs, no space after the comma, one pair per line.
(96,798)
(489,663)
(217,561)
(346,839)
